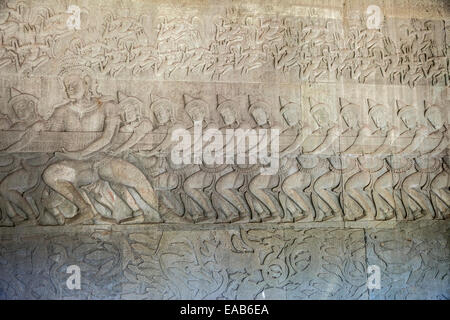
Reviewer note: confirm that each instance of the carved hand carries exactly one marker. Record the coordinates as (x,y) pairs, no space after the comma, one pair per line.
(72,155)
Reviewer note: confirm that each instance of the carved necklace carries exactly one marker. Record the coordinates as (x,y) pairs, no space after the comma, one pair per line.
(82,112)
(248,170)
(320,164)
(351,166)
(216,169)
(402,169)
(371,170)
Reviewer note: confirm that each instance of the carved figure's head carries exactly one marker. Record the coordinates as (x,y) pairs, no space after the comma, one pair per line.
(197,110)
(130,108)
(290,113)
(407,114)
(228,112)
(78,82)
(379,114)
(163,111)
(350,114)
(259,113)
(323,115)
(434,116)
(23,105)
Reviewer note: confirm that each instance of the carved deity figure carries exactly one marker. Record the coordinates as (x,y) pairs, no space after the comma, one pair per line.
(85,111)
(196,184)
(233,185)
(296,183)
(324,185)
(261,184)
(201,186)
(416,186)
(166,176)
(358,187)
(17,186)
(24,117)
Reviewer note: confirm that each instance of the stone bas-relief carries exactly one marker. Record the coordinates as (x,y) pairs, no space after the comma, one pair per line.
(338,161)
(241,263)
(88,174)
(226,43)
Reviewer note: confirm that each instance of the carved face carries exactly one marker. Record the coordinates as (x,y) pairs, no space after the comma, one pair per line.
(75,86)
(196,114)
(24,109)
(227,116)
(350,119)
(379,118)
(260,116)
(291,116)
(322,118)
(409,119)
(435,118)
(161,115)
(131,112)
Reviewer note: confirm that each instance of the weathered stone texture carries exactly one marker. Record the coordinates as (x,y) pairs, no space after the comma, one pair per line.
(93,92)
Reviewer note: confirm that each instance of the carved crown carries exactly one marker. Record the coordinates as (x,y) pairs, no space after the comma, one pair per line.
(17,95)
(190,103)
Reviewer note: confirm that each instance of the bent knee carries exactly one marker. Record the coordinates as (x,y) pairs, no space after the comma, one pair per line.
(286,188)
(58,172)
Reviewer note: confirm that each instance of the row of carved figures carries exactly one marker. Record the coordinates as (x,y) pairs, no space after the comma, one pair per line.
(141,182)
(310,47)
(304,189)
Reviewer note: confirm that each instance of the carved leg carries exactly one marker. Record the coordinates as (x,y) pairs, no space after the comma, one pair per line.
(383,194)
(256,187)
(6,220)
(323,186)
(440,194)
(16,198)
(167,184)
(226,186)
(354,187)
(9,190)
(411,187)
(62,178)
(193,186)
(294,186)
(123,172)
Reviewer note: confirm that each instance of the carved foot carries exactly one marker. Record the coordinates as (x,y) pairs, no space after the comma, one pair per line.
(6,222)
(385,214)
(234,218)
(82,216)
(174,218)
(132,220)
(245,218)
(301,217)
(105,219)
(206,219)
(422,214)
(152,219)
(287,219)
(28,222)
(271,218)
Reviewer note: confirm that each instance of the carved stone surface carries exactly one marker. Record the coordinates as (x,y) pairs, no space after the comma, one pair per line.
(350,108)
(246,262)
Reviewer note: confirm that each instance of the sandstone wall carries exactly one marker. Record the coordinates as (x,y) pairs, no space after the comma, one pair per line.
(92,91)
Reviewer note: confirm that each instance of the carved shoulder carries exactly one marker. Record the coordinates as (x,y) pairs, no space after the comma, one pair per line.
(111,109)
